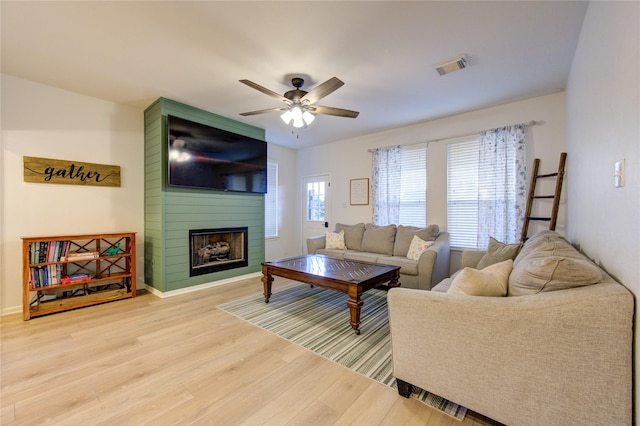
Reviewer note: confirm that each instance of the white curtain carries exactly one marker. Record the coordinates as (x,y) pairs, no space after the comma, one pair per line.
(385,187)
(502,184)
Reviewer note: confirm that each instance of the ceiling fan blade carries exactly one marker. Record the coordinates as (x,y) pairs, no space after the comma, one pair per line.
(322,90)
(262,111)
(334,111)
(265,91)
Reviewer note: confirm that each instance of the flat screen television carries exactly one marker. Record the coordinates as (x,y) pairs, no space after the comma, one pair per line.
(202,156)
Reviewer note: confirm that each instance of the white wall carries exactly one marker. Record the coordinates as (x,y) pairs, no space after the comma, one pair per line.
(42,121)
(286,243)
(603,126)
(350,159)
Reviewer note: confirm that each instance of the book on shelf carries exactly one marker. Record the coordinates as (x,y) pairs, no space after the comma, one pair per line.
(45,276)
(82,255)
(48,251)
(68,279)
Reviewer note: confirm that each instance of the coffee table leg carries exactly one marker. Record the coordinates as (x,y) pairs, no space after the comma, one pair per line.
(354,303)
(267,279)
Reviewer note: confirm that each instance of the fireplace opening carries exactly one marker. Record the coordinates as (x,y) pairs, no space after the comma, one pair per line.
(213,250)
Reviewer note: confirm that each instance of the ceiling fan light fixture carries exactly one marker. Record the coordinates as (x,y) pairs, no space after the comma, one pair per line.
(296,112)
(299,116)
(308,117)
(298,123)
(286,117)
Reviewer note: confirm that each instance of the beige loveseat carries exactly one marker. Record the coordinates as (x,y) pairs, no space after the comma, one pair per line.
(390,245)
(559,353)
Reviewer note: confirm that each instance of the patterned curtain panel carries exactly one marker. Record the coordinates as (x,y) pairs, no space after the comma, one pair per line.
(385,187)
(502,184)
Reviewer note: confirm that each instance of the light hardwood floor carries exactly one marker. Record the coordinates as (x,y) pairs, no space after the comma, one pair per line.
(181,361)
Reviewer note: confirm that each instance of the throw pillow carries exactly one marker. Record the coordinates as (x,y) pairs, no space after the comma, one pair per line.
(418,245)
(498,252)
(554,265)
(378,239)
(491,281)
(405,234)
(352,235)
(335,240)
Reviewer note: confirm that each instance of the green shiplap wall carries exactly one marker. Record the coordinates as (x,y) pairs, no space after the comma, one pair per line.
(171,212)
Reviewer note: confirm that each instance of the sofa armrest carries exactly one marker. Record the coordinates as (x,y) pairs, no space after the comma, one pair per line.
(433,263)
(315,243)
(470,258)
(539,354)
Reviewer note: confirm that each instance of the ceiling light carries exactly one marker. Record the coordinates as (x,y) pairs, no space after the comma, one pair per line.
(297,116)
(286,117)
(454,64)
(308,117)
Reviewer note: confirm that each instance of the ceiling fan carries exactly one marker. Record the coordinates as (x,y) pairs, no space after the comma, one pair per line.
(300,105)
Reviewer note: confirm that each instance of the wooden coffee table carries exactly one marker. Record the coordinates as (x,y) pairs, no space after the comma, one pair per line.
(346,276)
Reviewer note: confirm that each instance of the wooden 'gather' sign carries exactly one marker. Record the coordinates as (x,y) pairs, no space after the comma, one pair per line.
(46,170)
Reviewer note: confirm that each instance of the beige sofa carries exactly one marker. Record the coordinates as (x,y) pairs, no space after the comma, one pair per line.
(390,245)
(560,353)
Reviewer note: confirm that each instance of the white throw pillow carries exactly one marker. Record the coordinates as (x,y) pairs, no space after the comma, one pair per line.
(418,245)
(491,281)
(335,240)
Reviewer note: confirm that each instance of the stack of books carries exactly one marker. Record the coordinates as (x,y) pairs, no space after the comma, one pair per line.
(85,255)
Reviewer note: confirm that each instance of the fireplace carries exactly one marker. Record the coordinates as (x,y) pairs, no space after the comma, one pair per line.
(213,250)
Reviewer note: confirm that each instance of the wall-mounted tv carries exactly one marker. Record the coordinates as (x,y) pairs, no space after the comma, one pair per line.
(202,156)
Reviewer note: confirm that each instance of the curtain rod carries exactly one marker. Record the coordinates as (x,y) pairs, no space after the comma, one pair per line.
(531,123)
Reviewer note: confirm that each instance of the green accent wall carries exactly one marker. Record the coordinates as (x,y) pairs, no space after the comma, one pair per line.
(169,212)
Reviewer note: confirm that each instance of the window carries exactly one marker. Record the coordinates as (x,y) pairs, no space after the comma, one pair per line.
(486,187)
(315,201)
(462,193)
(271,202)
(413,187)
(400,186)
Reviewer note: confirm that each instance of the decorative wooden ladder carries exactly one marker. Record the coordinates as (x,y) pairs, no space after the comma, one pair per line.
(559,175)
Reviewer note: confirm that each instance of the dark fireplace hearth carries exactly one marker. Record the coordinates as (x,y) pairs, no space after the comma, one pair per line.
(213,250)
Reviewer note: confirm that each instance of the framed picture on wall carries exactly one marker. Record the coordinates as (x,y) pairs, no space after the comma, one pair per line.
(359,192)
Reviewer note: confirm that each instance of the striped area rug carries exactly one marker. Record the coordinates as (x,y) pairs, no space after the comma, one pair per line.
(318,319)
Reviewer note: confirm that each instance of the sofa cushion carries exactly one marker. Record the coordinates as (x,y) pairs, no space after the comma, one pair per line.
(443,286)
(405,234)
(418,245)
(407,267)
(361,256)
(535,242)
(491,281)
(498,252)
(335,240)
(352,235)
(550,263)
(378,239)
(538,274)
(336,254)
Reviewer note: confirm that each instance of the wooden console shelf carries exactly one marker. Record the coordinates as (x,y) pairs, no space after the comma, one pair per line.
(66,272)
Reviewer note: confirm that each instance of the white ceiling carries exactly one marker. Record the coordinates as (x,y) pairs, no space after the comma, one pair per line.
(195,52)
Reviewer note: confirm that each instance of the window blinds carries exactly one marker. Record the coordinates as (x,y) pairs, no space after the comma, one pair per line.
(462,194)
(271,202)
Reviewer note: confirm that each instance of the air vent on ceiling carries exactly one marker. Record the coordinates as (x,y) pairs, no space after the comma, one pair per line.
(455,64)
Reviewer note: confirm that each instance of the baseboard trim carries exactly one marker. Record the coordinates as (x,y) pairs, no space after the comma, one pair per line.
(199,287)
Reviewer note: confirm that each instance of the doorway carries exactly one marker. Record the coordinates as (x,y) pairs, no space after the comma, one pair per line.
(316,207)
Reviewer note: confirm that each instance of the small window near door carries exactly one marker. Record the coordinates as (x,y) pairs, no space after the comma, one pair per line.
(316,193)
